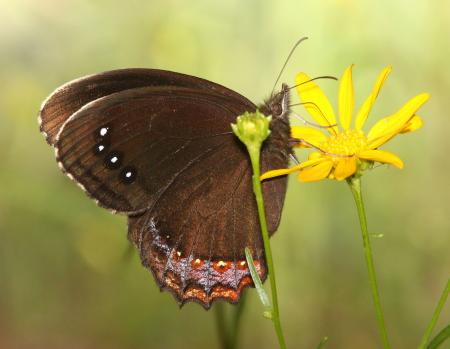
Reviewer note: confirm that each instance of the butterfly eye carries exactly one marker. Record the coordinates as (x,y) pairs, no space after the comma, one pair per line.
(277,109)
(113,160)
(128,175)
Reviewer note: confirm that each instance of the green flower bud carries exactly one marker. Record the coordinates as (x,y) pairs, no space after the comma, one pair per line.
(252,128)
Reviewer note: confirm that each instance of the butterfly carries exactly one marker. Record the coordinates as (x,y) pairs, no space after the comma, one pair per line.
(157,146)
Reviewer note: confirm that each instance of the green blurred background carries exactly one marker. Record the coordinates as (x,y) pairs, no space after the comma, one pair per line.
(65,278)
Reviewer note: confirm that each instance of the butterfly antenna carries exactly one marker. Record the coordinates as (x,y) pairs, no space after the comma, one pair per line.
(316,78)
(306,122)
(286,62)
(309,123)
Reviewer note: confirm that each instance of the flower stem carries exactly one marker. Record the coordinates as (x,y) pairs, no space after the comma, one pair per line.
(254,153)
(252,129)
(437,312)
(236,320)
(228,335)
(355,186)
(224,340)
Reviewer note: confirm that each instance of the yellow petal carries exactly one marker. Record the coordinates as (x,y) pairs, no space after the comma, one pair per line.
(381,156)
(316,103)
(317,172)
(390,126)
(363,113)
(285,171)
(315,155)
(346,98)
(414,124)
(378,142)
(309,135)
(345,168)
(277,173)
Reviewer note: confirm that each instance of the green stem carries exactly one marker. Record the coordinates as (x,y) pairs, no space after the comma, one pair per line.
(224,340)
(236,320)
(355,186)
(434,319)
(254,156)
(228,335)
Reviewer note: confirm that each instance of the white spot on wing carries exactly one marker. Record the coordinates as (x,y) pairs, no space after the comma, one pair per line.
(103,131)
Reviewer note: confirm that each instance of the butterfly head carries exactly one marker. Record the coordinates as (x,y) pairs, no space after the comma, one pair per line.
(277,104)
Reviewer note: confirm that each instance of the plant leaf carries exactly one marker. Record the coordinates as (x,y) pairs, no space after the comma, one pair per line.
(258,284)
(440,338)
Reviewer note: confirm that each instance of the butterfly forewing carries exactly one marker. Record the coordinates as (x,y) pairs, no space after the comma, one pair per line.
(70,97)
(158,134)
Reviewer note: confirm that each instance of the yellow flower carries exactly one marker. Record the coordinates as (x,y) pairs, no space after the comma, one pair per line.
(341,153)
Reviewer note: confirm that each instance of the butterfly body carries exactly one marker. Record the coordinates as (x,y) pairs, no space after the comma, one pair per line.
(158,147)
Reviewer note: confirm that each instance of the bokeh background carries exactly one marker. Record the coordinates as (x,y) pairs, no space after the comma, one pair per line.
(67,276)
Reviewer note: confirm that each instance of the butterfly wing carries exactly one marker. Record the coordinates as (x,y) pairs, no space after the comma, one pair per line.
(70,97)
(167,158)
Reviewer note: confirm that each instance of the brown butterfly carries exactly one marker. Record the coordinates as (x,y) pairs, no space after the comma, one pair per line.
(157,146)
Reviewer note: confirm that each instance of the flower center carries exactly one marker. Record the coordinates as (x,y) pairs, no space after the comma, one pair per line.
(347,142)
